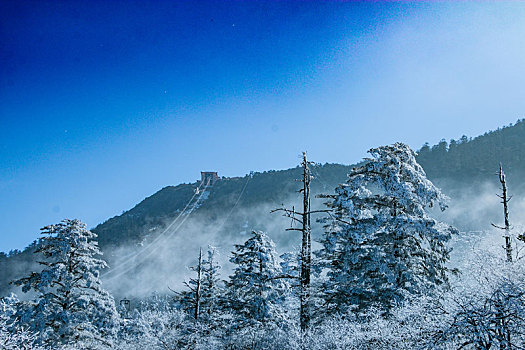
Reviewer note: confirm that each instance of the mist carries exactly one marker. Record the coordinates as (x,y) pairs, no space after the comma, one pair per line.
(472,210)
(160,263)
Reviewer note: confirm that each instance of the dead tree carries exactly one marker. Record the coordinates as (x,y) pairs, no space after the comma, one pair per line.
(192,298)
(305,258)
(198,283)
(505,201)
(306,247)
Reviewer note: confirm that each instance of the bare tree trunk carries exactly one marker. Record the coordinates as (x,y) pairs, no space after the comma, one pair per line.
(198,287)
(211,286)
(505,201)
(306,248)
(503,331)
(306,243)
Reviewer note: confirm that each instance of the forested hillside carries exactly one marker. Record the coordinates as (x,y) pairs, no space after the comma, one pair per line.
(466,160)
(453,165)
(269,187)
(233,206)
(381,275)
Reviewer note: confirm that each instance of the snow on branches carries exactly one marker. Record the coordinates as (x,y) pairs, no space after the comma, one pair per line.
(381,244)
(70,303)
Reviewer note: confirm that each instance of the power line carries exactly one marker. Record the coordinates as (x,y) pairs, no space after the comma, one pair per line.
(175,230)
(159,237)
(133,254)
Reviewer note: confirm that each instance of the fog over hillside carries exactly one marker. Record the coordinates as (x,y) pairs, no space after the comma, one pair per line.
(155,241)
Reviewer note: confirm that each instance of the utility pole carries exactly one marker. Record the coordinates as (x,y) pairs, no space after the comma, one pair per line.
(505,201)
(306,244)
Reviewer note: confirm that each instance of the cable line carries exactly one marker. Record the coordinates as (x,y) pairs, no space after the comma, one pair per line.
(133,255)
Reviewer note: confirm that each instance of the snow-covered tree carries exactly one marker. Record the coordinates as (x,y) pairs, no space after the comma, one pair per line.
(487,306)
(306,244)
(204,290)
(290,266)
(70,303)
(505,201)
(12,335)
(254,291)
(157,324)
(191,299)
(380,242)
(211,284)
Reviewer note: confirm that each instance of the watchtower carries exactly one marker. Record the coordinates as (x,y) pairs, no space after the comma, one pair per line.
(209,178)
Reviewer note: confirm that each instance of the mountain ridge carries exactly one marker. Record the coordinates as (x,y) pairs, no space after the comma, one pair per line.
(234,205)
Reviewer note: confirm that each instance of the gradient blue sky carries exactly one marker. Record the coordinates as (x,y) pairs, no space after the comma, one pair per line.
(102,103)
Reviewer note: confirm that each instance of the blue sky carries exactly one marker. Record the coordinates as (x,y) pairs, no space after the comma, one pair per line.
(102,103)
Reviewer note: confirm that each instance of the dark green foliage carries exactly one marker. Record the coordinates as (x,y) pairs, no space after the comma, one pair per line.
(477,159)
(271,188)
(153,211)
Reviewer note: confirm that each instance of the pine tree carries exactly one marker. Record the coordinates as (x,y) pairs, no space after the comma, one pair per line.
(211,284)
(382,243)
(201,298)
(254,291)
(70,303)
(193,297)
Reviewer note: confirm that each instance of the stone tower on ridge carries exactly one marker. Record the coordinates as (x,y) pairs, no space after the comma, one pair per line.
(209,178)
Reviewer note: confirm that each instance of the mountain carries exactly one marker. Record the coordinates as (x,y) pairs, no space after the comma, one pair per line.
(271,188)
(172,223)
(466,160)
(457,164)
